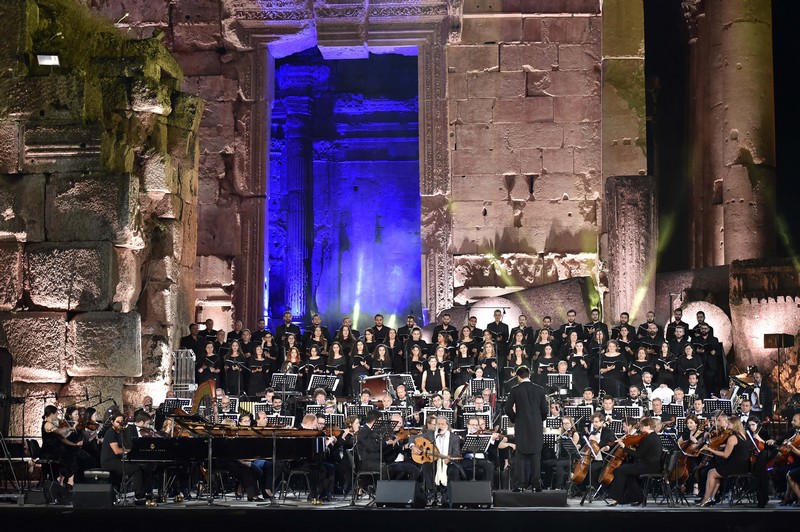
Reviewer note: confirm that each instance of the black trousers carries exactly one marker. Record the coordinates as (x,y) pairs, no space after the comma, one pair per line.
(403,471)
(131,470)
(556,472)
(529,470)
(482,469)
(625,487)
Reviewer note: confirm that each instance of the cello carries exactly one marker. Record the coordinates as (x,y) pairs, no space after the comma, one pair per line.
(785,455)
(617,455)
(582,466)
(691,450)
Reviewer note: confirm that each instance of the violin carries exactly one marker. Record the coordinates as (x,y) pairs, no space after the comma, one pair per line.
(404,433)
(785,455)
(334,431)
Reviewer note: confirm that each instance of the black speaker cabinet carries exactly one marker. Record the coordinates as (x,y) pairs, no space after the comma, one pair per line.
(467,494)
(92,496)
(399,494)
(530,499)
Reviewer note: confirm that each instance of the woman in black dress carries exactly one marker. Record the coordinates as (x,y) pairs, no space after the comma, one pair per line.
(416,365)
(396,355)
(665,367)
(259,372)
(272,352)
(734,459)
(433,380)
(369,340)
(641,364)
(337,366)
(56,445)
(686,364)
(545,365)
(381,361)
(566,349)
(209,365)
(627,345)
(612,369)
(314,364)
(345,338)
(234,373)
(578,363)
(360,361)
(462,365)
(465,337)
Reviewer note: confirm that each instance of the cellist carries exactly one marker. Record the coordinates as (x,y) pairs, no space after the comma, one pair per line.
(625,487)
(603,438)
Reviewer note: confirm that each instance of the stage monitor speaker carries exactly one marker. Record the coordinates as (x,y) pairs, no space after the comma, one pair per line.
(399,494)
(777,341)
(92,496)
(530,499)
(468,494)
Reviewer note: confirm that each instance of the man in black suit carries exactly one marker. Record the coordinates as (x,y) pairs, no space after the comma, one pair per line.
(566,329)
(404,332)
(446,328)
(761,396)
(287,327)
(595,325)
(210,333)
(601,434)
(676,321)
(624,318)
(193,341)
(526,407)
(625,487)
(379,330)
(499,332)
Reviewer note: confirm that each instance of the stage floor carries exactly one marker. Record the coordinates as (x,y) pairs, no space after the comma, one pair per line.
(299,515)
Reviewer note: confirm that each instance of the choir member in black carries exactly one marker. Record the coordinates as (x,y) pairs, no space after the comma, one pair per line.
(733,459)
(209,365)
(652,340)
(678,343)
(600,434)
(246,343)
(477,466)
(594,325)
(272,351)
(556,462)
(612,369)
(627,343)
(597,345)
(286,328)
(381,361)
(317,337)
(415,365)
(516,358)
(526,407)
(345,338)
(488,360)
(522,327)
(761,395)
(578,363)
(292,365)
(547,325)
(665,367)
(379,330)
(193,341)
(415,338)
(111,452)
(639,365)
(694,388)
(624,318)
(316,321)
(369,340)
(519,338)
(291,343)
(625,487)
(261,330)
(360,361)
(545,365)
(447,328)
(687,363)
(675,322)
(433,379)
(235,366)
(259,373)
(442,356)
(405,331)
(567,328)
(462,365)
(701,319)
(475,332)
(62,444)
(220,345)
(709,349)
(440,340)
(499,332)
(650,317)
(566,347)
(314,364)
(396,353)
(209,334)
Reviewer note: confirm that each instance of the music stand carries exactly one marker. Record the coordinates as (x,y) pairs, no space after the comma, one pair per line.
(552,422)
(634,412)
(673,410)
(446,412)
(326,382)
(334,420)
(551,438)
(283,381)
(559,381)
(670,444)
(476,386)
(382,429)
(358,410)
(712,405)
(505,424)
(616,426)
(314,409)
(578,412)
(262,407)
(486,416)
(680,424)
(279,422)
(476,443)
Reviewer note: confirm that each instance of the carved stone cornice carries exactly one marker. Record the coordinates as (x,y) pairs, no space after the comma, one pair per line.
(691,10)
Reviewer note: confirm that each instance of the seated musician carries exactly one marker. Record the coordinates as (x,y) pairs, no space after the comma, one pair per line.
(608,409)
(344,445)
(320,396)
(327,463)
(261,419)
(447,398)
(111,455)
(734,458)
(634,397)
(478,463)
(56,444)
(698,409)
(679,398)
(436,401)
(604,437)
(398,456)
(402,396)
(262,469)
(657,411)
(691,435)
(368,444)
(785,476)
(365,398)
(746,411)
(556,461)
(625,487)
(320,476)
(277,405)
(588,398)
(440,471)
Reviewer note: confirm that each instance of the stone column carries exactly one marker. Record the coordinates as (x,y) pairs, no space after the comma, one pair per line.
(632,221)
(746,74)
(299,223)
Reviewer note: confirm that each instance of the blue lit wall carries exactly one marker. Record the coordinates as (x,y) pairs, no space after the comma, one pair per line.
(354,124)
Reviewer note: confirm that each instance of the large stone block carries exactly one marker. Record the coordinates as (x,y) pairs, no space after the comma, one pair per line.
(493,29)
(10,148)
(571,82)
(538,109)
(496,85)
(104,344)
(134,11)
(28,420)
(475,110)
(219,231)
(558,160)
(555,300)
(576,108)
(83,207)
(37,342)
(527,57)
(201,36)
(485,161)
(70,276)
(623,28)
(194,11)
(573,30)
(579,57)
(217,88)
(533,135)
(105,387)
(128,279)
(472,58)
(10,275)
(22,198)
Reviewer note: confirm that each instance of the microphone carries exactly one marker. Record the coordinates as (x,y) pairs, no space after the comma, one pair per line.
(86,393)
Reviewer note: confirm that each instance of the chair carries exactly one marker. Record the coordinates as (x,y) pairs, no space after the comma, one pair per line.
(739,488)
(35,450)
(653,483)
(374,476)
(297,472)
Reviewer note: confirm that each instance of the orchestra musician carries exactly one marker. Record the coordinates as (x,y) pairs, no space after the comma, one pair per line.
(442,470)
(625,487)
(556,463)
(733,459)
(60,442)
(601,435)
(780,472)
(111,459)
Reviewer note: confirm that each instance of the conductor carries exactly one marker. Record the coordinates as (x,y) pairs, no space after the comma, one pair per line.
(526,408)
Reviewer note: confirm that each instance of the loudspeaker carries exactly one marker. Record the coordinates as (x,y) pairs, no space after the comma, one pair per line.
(92,496)
(530,499)
(467,494)
(55,493)
(399,494)
(775,341)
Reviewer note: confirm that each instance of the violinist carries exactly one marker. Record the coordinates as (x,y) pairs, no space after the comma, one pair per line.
(111,453)
(625,487)
(782,467)
(556,466)
(398,458)
(56,444)
(345,442)
(733,459)
(691,440)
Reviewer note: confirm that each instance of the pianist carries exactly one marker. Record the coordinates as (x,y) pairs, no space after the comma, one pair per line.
(111,454)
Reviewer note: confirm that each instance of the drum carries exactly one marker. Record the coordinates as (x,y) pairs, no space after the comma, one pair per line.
(379,386)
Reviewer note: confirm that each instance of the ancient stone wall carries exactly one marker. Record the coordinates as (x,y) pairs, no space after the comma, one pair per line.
(98,192)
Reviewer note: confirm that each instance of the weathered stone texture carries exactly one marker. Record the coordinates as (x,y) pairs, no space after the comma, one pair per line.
(93,207)
(74,276)
(22,202)
(37,342)
(9,147)
(10,275)
(104,344)
(555,300)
